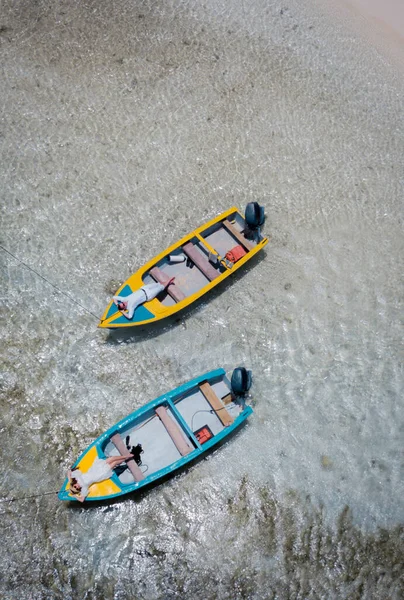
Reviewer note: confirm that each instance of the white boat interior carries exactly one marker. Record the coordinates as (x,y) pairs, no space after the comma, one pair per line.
(203,259)
(165,432)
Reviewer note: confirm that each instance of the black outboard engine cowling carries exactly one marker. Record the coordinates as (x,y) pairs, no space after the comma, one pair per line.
(254,215)
(241,381)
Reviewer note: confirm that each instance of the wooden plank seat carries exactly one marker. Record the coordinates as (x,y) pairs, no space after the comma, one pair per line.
(174,431)
(227,399)
(201,262)
(172,290)
(216,403)
(132,466)
(238,235)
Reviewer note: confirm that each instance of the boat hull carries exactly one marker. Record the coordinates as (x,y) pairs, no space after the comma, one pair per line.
(194,277)
(174,432)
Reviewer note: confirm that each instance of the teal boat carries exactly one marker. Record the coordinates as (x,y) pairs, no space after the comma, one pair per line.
(168,433)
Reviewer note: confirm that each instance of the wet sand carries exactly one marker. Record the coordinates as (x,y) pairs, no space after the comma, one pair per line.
(381,23)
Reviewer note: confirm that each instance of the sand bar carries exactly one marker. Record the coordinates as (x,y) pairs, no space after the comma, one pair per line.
(381,22)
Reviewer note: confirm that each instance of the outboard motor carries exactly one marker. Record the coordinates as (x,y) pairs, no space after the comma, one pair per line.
(254,215)
(241,381)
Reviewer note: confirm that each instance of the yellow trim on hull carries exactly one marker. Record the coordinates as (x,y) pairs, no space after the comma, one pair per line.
(210,248)
(102,488)
(159,310)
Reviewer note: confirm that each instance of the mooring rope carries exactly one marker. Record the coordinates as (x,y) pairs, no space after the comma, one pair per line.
(16,498)
(50,283)
(211,411)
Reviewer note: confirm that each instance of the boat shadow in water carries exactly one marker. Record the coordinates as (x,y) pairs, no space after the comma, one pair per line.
(138,496)
(139,334)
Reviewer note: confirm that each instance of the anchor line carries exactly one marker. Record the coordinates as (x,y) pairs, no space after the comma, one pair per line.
(50,283)
(16,498)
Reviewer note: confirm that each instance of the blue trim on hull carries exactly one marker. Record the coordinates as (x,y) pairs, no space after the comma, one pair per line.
(169,399)
(183,423)
(141,314)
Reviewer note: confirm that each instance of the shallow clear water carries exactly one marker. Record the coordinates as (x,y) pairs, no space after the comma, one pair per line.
(124,126)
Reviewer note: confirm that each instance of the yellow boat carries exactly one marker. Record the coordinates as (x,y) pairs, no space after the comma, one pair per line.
(199,262)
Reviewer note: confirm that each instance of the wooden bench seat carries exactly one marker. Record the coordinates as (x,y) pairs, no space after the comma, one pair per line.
(174,431)
(239,236)
(172,290)
(216,403)
(132,466)
(201,262)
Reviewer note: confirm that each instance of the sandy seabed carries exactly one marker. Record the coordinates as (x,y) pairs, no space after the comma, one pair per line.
(379,23)
(124,126)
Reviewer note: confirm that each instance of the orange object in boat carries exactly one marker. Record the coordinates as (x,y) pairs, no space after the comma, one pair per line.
(203,434)
(235,254)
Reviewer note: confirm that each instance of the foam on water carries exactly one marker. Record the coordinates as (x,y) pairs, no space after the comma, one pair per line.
(124,127)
